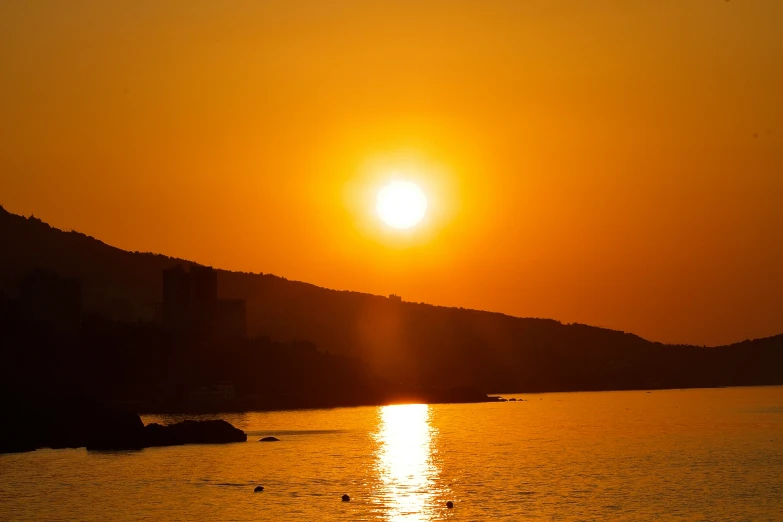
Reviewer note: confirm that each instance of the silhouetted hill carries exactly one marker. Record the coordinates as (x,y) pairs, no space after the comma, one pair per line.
(414,343)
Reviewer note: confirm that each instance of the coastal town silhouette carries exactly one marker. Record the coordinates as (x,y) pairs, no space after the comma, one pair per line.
(66,338)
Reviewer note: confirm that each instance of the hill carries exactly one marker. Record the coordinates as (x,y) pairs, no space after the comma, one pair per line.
(412,343)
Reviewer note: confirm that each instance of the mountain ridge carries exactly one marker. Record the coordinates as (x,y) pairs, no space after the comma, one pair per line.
(418,343)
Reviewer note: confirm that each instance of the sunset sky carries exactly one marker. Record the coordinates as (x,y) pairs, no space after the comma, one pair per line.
(612,163)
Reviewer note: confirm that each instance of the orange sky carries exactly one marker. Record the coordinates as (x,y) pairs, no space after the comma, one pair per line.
(612,163)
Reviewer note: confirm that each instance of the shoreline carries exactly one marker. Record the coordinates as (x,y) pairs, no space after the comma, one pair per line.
(495,397)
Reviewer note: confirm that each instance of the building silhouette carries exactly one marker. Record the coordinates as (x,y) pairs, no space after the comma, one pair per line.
(191,305)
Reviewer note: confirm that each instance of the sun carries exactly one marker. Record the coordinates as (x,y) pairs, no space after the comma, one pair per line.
(401,204)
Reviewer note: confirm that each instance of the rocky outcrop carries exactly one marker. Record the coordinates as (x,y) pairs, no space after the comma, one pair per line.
(269,439)
(192,432)
(76,423)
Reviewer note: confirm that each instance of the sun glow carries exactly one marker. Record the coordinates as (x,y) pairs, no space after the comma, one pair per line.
(401,204)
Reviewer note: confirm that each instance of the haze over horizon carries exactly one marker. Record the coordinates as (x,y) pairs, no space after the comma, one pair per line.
(618,166)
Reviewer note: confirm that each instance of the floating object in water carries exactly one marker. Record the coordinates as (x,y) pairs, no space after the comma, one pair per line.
(449,504)
(346,498)
(269,439)
(258,489)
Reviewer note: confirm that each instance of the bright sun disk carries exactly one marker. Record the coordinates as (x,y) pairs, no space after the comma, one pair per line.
(401,204)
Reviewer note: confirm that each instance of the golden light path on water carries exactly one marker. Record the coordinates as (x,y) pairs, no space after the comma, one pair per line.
(405,464)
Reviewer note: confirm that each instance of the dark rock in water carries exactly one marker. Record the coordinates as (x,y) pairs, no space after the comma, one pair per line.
(346,498)
(449,504)
(258,489)
(269,439)
(47,422)
(193,432)
(158,435)
(512,399)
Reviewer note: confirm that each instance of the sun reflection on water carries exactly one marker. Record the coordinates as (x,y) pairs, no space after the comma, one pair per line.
(405,465)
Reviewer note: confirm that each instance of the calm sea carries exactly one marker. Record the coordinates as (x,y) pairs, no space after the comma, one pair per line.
(712,454)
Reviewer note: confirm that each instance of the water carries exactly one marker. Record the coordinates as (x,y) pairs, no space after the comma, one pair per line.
(666,455)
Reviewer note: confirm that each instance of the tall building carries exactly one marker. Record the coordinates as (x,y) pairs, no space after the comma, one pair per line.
(203,299)
(191,304)
(176,298)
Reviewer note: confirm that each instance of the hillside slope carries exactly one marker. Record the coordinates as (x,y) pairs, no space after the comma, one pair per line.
(404,342)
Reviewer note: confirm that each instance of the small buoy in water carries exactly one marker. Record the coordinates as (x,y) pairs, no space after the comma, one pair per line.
(346,498)
(258,489)
(449,504)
